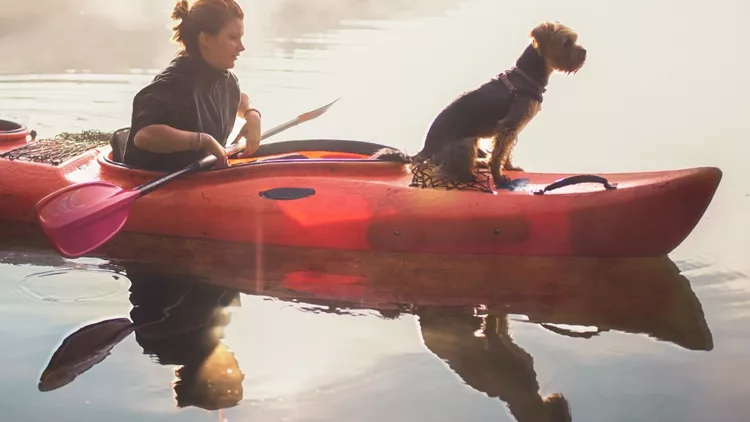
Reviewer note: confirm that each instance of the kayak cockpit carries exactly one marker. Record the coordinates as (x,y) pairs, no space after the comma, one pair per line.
(312,149)
(13,135)
(308,156)
(304,149)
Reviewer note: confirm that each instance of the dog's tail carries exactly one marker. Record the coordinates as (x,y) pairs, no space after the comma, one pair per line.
(392,155)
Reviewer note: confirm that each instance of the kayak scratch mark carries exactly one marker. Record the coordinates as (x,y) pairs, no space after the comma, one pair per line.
(205,197)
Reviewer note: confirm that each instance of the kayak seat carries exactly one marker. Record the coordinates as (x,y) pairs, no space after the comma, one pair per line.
(118,141)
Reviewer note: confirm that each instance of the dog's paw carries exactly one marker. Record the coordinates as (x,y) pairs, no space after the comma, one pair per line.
(513,168)
(503,182)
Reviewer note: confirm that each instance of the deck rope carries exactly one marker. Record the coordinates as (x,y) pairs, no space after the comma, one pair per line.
(59,148)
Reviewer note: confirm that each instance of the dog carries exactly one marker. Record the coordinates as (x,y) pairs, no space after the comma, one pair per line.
(498,110)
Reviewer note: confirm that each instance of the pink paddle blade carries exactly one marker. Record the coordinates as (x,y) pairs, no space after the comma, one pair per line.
(80,218)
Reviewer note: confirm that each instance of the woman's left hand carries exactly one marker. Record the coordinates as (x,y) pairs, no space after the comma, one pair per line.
(251,132)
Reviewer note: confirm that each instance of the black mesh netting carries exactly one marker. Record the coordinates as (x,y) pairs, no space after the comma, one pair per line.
(59,148)
(425,177)
(67,145)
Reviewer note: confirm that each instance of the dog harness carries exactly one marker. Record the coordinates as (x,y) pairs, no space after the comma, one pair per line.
(515,91)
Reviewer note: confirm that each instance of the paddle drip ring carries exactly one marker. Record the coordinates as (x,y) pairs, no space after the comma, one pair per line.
(425,177)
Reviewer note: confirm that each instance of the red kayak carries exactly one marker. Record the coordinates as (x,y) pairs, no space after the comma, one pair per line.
(321,193)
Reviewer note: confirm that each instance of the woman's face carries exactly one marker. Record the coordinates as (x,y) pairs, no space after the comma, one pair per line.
(221,50)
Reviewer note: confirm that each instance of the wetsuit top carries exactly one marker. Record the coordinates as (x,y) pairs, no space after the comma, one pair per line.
(188,95)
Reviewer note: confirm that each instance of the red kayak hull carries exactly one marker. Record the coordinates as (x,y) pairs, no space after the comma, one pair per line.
(359,204)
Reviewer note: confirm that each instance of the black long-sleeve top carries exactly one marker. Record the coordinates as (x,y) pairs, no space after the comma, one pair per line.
(188,95)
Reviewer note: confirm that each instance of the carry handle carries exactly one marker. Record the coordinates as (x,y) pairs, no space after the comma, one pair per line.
(574,180)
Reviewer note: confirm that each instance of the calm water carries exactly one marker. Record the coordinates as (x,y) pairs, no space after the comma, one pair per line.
(645,340)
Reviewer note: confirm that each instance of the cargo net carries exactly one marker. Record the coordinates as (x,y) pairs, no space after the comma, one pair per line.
(425,177)
(59,148)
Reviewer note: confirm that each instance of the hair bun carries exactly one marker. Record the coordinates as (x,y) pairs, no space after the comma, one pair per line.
(181,9)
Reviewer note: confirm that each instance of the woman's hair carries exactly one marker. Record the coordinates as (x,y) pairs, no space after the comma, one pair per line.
(203,16)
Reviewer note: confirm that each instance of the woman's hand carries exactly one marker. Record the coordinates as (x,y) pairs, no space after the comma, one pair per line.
(251,132)
(212,146)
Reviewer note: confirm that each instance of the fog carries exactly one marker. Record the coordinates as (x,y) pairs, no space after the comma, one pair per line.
(40,36)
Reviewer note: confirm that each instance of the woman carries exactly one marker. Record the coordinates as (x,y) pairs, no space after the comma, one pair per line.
(189,109)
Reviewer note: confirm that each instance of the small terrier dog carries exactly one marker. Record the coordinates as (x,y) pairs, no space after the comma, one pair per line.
(499,109)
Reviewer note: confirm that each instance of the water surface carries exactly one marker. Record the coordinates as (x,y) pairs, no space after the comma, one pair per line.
(663,339)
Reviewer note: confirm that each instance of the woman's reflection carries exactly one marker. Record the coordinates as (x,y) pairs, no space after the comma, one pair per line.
(180,322)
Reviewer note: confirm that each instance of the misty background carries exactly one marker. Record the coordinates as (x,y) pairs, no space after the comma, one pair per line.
(100,36)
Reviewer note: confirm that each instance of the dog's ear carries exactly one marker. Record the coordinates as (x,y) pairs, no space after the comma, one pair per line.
(541,35)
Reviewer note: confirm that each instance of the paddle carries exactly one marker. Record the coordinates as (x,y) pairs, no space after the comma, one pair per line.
(79,218)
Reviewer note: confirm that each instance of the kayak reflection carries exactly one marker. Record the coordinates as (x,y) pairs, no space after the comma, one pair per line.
(464,321)
(463,310)
(633,295)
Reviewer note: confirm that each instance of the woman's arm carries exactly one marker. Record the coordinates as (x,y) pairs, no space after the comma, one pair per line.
(251,129)
(245,109)
(163,138)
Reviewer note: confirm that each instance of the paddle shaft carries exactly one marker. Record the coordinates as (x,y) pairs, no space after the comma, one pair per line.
(204,163)
(211,160)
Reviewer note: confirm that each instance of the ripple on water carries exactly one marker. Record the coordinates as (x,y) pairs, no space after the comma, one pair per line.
(72,285)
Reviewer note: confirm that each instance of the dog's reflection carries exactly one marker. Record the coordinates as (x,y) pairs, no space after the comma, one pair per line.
(480,350)
(180,322)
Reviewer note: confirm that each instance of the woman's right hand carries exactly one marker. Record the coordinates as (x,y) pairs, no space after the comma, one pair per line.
(212,146)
